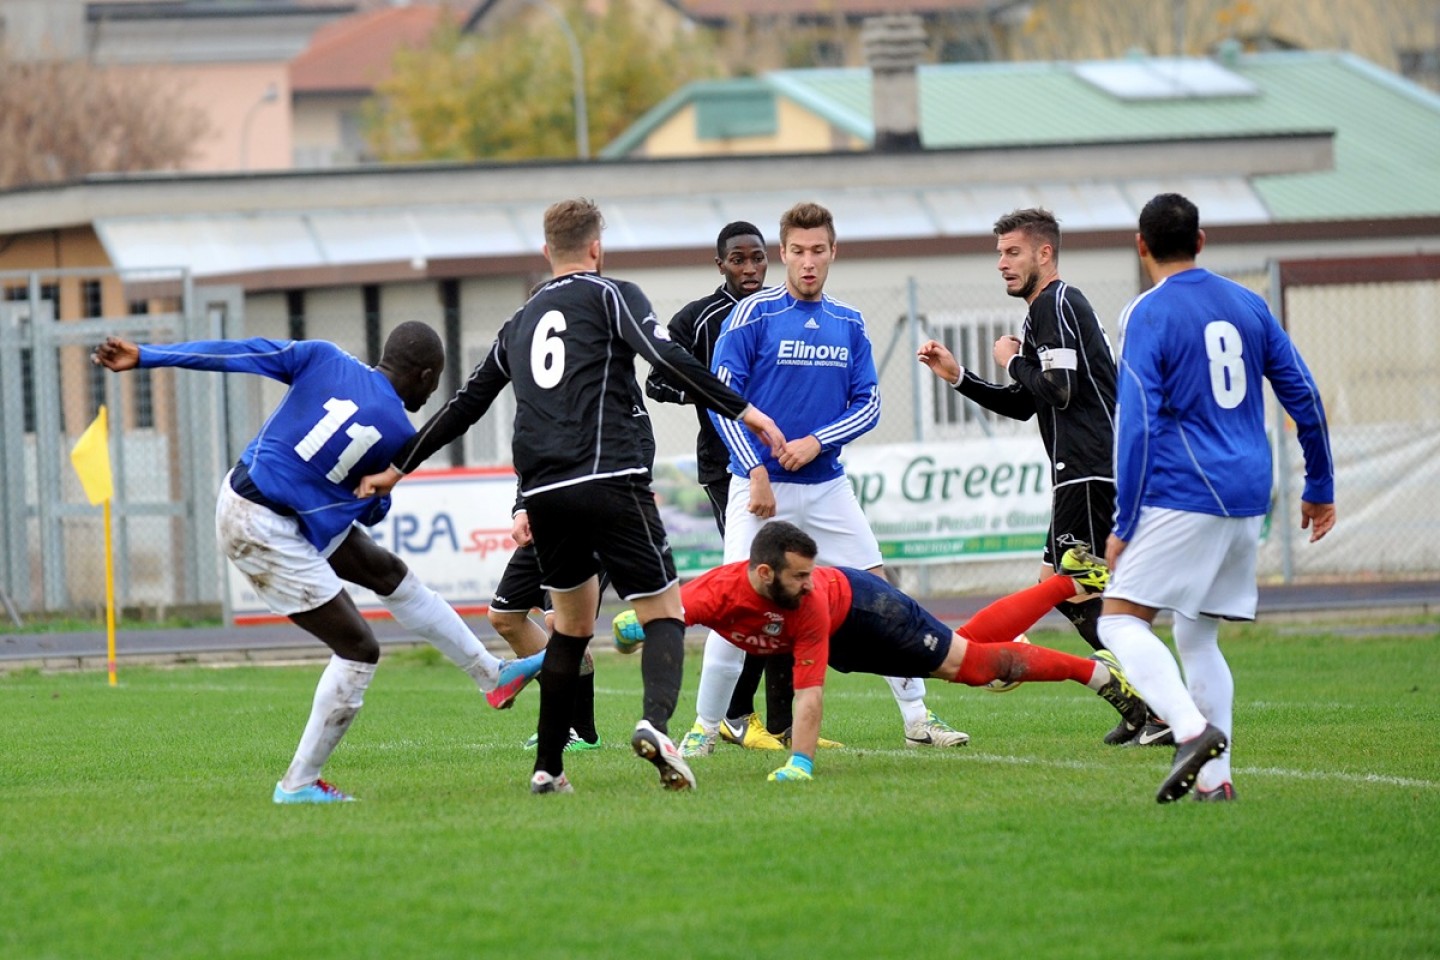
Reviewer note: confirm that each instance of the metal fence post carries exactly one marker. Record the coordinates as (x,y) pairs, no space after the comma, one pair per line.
(1280,518)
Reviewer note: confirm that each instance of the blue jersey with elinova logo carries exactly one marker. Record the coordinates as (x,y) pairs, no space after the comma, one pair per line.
(339,421)
(1190,420)
(806,363)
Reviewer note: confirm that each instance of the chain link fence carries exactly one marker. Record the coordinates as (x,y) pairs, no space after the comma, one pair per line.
(1369,338)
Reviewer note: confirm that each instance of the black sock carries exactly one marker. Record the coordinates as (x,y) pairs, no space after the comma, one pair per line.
(1086,617)
(779,692)
(742,701)
(583,719)
(662,668)
(559,677)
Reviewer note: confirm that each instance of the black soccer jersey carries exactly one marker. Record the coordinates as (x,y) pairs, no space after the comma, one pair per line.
(695,327)
(1065,373)
(569,353)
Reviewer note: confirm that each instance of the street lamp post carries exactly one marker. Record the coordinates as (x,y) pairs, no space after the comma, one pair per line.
(271,94)
(577,66)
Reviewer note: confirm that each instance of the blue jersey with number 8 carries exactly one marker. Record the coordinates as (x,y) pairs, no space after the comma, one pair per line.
(339,421)
(1190,417)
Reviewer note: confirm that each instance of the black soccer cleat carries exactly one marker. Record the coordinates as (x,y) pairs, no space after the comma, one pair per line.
(1190,756)
(1123,697)
(1157,733)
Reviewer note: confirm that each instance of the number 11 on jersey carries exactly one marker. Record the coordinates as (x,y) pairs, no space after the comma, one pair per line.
(362,438)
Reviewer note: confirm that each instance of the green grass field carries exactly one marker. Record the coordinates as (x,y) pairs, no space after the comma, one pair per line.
(137,822)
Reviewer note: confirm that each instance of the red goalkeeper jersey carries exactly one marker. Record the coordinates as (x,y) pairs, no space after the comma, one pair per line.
(724,601)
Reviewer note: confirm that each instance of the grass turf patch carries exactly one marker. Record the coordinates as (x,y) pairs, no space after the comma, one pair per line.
(138,823)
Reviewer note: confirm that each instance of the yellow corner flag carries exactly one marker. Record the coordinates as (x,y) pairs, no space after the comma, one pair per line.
(91,457)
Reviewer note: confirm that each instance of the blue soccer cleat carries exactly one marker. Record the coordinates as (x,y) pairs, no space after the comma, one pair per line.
(317,792)
(514,675)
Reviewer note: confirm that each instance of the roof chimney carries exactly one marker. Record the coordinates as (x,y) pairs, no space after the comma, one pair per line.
(893,48)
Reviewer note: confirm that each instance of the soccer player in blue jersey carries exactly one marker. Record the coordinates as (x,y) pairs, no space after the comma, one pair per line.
(1193,476)
(741,259)
(288,518)
(804,354)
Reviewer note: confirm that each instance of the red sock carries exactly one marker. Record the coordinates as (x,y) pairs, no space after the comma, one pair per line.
(1014,662)
(1008,617)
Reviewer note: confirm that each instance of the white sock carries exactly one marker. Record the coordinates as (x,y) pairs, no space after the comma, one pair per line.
(1211,686)
(421,610)
(910,698)
(1152,670)
(718,673)
(338,697)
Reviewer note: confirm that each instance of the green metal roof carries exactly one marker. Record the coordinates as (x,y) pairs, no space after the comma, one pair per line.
(1387,130)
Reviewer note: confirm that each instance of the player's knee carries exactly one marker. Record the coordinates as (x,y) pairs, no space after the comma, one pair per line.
(507,623)
(361,649)
(388,573)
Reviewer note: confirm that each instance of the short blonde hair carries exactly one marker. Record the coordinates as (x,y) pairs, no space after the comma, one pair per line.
(806,216)
(571,225)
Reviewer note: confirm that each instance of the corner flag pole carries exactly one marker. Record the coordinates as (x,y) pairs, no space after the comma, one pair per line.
(91,458)
(109,598)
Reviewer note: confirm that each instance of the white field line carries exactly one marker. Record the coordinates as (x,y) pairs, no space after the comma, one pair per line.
(1333,776)
(1336,776)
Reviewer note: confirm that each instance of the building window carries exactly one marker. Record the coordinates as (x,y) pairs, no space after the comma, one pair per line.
(49,293)
(295,313)
(970,336)
(142,383)
(371,295)
(91,302)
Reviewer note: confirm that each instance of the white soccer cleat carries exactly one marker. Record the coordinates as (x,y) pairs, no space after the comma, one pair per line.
(934,732)
(652,745)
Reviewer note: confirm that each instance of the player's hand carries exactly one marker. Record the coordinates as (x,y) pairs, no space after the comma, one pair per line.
(116,354)
(940,360)
(1005,349)
(1318,518)
(1114,546)
(797,453)
(796,770)
(760,424)
(378,484)
(762,496)
(629,634)
(520,529)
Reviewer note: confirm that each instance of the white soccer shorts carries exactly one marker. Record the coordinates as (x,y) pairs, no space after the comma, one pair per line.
(1193,563)
(827,511)
(287,572)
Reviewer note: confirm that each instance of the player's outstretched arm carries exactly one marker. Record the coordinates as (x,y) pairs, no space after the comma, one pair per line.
(379,484)
(116,354)
(1318,518)
(940,360)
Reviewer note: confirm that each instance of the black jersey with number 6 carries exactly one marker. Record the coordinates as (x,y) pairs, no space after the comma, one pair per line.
(569,353)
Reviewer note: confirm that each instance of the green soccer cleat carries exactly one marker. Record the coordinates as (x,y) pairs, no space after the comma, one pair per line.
(576,742)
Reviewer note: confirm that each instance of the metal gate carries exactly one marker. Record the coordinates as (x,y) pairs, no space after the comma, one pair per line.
(169,440)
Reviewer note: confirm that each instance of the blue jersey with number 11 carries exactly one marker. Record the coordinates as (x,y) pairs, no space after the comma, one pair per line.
(1190,420)
(339,421)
